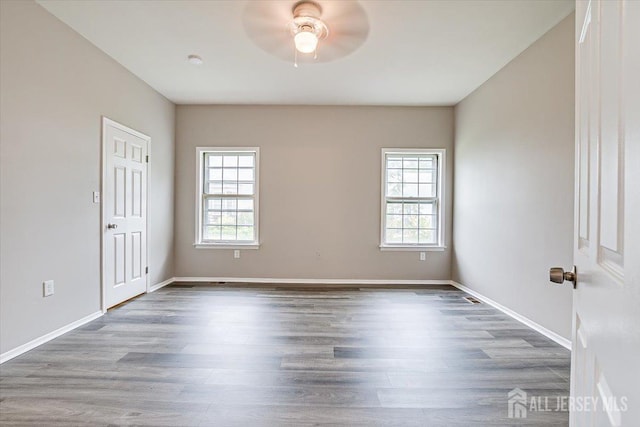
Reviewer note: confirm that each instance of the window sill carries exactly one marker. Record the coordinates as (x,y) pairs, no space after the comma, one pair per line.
(413,248)
(226,246)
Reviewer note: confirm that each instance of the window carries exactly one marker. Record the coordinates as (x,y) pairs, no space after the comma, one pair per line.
(412,199)
(227,197)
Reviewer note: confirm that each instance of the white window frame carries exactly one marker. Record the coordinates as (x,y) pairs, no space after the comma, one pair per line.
(200,195)
(440,154)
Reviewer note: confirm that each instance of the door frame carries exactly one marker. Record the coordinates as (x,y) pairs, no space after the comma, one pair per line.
(109,122)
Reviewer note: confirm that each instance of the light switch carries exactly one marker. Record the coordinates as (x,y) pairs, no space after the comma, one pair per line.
(96,197)
(47,288)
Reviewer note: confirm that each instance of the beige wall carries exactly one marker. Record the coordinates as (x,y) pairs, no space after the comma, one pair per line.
(514,182)
(319,189)
(55,86)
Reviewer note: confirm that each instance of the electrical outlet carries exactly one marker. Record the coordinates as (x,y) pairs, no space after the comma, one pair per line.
(236,253)
(96,197)
(47,288)
(423,256)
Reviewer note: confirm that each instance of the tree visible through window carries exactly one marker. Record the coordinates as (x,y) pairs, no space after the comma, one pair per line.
(411,205)
(228,203)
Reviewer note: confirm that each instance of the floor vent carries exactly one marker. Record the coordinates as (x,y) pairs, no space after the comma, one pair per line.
(472,300)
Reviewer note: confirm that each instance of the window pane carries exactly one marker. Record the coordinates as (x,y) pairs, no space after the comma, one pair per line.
(426,208)
(245,161)
(427,221)
(410,163)
(211,233)
(214,204)
(245,218)
(213,218)
(427,237)
(410,236)
(394,175)
(229,233)
(410,221)
(215,174)
(230,174)
(394,208)
(393,235)
(245,174)
(245,204)
(394,221)
(245,189)
(410,175)
(230,188)
(214,188)
(215,160)
(394,190)
(409,190)
(394,162)
(229,218)
(427,190)
(229,204)
(230,161)
(245,233)
(427,163)
(410,208)
(426,177)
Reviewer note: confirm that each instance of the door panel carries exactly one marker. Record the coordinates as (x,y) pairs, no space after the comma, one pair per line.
(119,258)
(136,254)
(136,193)
(119,191)
(611,192)
(125,213)
(606,324)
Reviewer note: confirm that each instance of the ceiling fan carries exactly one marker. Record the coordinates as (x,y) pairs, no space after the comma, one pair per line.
(306,31)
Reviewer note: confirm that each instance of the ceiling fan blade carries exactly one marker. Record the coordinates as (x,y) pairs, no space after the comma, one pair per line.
(267,25)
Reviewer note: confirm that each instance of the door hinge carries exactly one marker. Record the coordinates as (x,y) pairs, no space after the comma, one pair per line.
(146,270)
(147,159)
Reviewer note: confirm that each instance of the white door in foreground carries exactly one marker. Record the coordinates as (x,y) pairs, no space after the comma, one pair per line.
(124,213)
(605,369)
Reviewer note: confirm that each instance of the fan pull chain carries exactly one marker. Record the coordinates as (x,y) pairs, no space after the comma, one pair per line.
(295,56)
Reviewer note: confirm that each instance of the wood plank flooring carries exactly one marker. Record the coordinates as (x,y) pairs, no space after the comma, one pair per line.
(241,355)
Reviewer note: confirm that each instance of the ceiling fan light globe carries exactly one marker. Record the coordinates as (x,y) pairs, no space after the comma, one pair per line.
(305,41)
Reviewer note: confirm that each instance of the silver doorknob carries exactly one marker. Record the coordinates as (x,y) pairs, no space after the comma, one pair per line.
(112,226)
(558,275)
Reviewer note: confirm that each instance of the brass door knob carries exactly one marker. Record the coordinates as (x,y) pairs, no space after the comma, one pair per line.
(558,275)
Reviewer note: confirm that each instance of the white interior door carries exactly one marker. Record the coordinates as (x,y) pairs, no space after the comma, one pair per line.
(124,213)
(606,325)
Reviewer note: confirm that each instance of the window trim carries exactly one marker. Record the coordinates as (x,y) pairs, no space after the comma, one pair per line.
(440,154)
(198,243)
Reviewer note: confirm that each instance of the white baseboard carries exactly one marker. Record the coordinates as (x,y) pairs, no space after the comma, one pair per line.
(520,318)
(48,337)
(312,281)
(162,284)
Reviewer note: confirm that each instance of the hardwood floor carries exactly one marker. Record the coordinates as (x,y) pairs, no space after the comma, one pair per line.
(263,356)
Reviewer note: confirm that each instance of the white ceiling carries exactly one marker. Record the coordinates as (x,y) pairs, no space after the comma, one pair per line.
(417,52)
